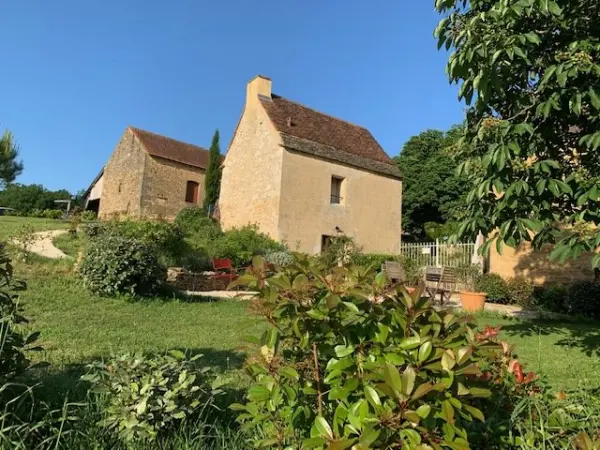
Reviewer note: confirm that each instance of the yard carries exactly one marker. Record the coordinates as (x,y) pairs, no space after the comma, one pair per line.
(77,327)
(10,224)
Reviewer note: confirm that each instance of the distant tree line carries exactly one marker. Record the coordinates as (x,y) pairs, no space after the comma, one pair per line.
(26,198)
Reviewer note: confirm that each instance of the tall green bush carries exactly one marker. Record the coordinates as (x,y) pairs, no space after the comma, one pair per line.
(114,265)
(241,244)
(191,219)
(13,341)
(349,363)
(212,180)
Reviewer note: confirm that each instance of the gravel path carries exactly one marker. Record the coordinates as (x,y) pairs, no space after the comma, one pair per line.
(44,246)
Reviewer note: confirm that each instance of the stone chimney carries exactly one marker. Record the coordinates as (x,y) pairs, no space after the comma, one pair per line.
(259,85)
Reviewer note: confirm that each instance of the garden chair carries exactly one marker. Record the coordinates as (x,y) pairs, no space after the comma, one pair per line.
(440,281)
(224,270)
(394,271)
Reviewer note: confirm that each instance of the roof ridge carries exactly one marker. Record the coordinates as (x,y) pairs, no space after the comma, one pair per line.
(322,113)
(135,130)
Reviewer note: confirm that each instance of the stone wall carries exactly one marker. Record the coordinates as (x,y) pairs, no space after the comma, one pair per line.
(194,282)
(370,210)
(164,187)
(537,267)
(251,182)
(122,179)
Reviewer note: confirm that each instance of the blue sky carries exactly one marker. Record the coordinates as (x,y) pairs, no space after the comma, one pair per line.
(76,73)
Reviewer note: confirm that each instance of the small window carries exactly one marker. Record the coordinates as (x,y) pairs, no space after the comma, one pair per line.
(191,192)
(336,190)
(325,242)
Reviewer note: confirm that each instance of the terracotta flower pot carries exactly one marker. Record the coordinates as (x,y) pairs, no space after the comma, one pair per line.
(472,301)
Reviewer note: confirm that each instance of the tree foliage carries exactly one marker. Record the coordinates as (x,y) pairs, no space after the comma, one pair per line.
(26,198)
(10,166)
(530,69)
(349,362)
(432,191)
(212,181)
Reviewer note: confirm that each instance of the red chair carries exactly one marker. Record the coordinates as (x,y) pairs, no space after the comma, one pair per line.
(223,270)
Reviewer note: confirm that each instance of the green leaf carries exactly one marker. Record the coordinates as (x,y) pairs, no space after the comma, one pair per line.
(342,444)
(594,98)
(323,428)
(549,72)
(474,412)
(410,342)
(554,8)
(422,390)
(480,392)
(372,396)
(447,412)
(423,411)
(392,377)
(425,351)
(258,393)
(448,361)
(343,350)
(408,380)
(290,373)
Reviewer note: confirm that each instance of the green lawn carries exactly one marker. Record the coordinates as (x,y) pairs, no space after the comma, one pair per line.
(77,327)
(10,224)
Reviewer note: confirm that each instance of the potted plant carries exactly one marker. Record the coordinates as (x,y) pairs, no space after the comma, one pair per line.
(471,299)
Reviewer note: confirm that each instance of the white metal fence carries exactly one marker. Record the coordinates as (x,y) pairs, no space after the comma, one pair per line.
(439,254)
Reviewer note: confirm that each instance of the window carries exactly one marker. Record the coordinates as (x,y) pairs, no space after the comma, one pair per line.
(325,242)
(336,190)
(191,192)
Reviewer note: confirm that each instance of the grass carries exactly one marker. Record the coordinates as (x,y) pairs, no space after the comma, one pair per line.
(70,245)
(10,224)
(77,326)
(566,352)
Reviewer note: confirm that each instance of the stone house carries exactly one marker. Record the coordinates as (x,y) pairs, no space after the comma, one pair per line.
(303,176)
(149,175)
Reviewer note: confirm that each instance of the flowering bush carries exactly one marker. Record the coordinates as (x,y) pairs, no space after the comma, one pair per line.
(348,362)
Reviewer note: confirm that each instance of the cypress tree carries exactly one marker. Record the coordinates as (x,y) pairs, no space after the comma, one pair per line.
(212,181)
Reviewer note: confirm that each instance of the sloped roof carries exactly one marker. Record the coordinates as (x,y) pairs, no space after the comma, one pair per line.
(305,130)
(171,149)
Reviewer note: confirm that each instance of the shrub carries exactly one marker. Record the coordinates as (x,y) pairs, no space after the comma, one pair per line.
(92,230)
(583,298)
(520,291)
(495,287)
(25,236)
(241,244)
(347,362)
(88,215)
(166,237)
(375,259)
(342,250)
(279,259)
(113,264)
(13,342)
(191,219)
(145,397)
(52,214)
(551,298)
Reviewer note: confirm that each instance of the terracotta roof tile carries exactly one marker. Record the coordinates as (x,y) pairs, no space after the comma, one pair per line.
(167,148)
(337,139)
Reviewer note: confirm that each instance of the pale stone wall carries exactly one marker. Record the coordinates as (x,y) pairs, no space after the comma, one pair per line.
(250,186)
(96,191)
(537,267)
(370,211)
(122,179)
(164,187)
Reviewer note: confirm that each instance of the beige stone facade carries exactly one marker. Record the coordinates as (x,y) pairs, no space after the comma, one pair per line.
(536,266)
(287,192)
(137,184)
